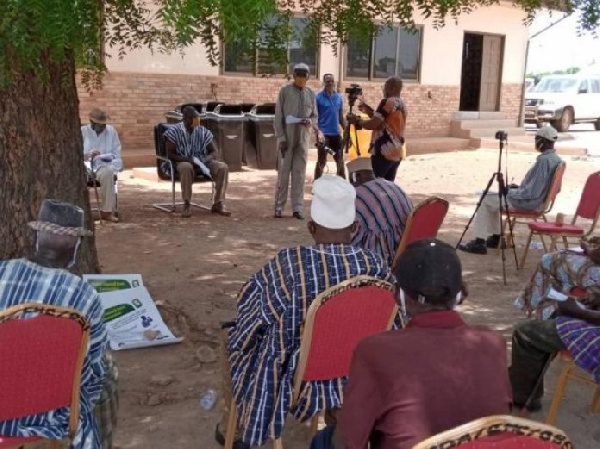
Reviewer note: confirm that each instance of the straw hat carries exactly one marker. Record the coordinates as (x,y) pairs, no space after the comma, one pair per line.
(99,116)
(58,217)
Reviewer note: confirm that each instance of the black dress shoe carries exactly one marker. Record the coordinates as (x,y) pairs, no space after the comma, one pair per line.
(493,241)
(277,213)
(476,246)
(298,215)
(239,444)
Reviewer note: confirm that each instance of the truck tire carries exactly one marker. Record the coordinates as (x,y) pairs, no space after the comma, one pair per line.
(566,118)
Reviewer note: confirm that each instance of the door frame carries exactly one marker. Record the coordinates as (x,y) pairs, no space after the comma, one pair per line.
(503,54)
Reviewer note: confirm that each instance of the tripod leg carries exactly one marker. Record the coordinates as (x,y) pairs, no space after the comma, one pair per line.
(481,198)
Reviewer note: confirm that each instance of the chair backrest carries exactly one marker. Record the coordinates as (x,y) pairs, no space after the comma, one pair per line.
(589,203)
(555,187)
(424,221)
(42,349)
(335,322)
(499,432)
(159,141)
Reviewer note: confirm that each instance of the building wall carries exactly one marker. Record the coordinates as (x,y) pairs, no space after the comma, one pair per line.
(139,89)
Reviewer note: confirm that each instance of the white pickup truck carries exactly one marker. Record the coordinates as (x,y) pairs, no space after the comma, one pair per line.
(563,100)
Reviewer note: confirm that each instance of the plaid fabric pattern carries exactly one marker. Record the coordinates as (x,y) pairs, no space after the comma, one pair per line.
(382,209)
(22,280)
(264,346)
(583,342)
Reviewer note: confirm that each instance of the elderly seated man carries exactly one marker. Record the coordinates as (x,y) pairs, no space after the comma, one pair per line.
(382,209)
(438,373)
(264,343)
(528,196)
(190,146)
(102,148)
(561,322)
(44,279)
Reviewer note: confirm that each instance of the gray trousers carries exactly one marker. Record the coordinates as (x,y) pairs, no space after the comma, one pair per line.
(220,175)
(294,164)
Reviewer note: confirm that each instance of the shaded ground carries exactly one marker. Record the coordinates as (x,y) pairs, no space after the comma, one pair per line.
(196,266)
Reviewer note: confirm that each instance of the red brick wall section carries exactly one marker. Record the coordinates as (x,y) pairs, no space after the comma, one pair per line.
(510,99)
(137,101)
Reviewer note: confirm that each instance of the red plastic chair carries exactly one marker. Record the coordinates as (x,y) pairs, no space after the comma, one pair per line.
(41,362)
(424,221)
(335,322)
(499,432)
(588,208)
(518,216)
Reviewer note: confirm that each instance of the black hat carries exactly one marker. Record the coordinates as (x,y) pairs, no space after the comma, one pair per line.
(58,217)
(431,269)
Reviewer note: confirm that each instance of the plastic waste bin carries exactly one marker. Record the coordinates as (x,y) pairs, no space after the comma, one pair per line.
(248,141)
(263,151)
(226,123)
(208,120)
(364,141)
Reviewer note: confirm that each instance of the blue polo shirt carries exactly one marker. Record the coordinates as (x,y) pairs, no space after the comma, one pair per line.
(329,108)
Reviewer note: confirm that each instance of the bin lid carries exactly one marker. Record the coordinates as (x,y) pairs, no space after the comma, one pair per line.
(228,109)
(211,105)
(264,109)
(261,118)
(247,107)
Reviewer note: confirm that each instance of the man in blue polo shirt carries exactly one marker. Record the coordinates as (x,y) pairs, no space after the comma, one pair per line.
(330,105)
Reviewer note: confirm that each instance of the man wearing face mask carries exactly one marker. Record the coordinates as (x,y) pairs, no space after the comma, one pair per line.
(102,149)
(296,119)
(330,105)
(45,280)
(528,196)
(190,146)
(435,374)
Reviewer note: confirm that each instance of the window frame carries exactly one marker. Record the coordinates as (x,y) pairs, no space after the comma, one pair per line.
(224,72)
(371,70)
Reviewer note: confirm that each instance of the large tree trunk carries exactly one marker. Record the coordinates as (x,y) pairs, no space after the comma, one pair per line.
(41,157)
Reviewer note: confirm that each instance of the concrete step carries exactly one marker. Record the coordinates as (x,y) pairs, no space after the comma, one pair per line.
(477,115)
(425,145)
(473,124)
(491,132)
(526,143)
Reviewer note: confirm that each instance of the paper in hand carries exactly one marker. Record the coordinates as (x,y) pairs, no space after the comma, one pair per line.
(291,120)
(203,168)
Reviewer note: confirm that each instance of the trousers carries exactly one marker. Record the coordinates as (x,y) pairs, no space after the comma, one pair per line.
(106,178)
(220,175)
(487,218)
(335,143)
(534,344)
(292,164)
(382,168)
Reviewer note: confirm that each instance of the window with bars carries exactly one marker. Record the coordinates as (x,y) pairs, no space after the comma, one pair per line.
(392,51)
(301,45)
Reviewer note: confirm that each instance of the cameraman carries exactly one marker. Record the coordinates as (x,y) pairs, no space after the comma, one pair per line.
(388,123)
(330,105)
(529,196)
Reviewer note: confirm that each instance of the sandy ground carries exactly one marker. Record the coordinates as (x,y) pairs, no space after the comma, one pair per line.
(196,266)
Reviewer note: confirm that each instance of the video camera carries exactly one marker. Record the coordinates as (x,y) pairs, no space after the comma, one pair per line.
(501,135)
(353,92)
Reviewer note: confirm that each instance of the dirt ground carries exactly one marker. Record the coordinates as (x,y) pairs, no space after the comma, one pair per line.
(196,266)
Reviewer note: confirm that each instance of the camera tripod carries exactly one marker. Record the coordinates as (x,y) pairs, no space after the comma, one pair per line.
(347,141)
(502,206)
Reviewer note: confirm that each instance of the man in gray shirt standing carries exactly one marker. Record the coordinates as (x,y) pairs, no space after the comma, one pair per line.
(295,116)
(528,196)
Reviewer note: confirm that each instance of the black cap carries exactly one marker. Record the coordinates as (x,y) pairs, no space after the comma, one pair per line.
(429,268)
(190,111)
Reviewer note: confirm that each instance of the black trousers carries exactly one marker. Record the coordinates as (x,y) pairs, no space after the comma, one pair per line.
(382,168)
(335,143)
